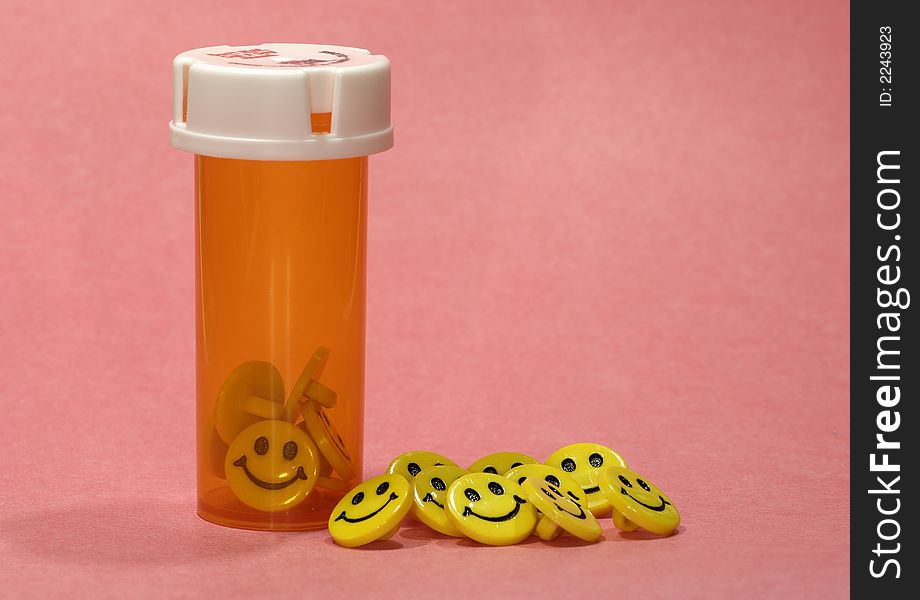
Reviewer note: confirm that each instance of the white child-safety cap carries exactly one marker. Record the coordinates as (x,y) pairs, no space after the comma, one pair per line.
(273,102)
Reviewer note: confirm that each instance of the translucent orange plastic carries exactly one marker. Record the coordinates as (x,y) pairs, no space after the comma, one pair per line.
(280,274)
(321,122)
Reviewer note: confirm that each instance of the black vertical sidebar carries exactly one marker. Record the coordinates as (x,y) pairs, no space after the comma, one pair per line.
(884,370)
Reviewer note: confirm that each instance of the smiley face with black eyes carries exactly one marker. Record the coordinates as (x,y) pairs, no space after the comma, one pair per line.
(637,502)
(584,462)
(547,530)
(429,494)
(555,496)
(371,511)
(410,464)
(563,508)
(328,439)
(271,465)
(500,462)
(559,499)
(490,509)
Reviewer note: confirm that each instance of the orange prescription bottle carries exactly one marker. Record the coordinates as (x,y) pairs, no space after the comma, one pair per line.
(281,134)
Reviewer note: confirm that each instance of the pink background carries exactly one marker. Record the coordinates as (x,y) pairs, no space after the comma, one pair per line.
(623,222)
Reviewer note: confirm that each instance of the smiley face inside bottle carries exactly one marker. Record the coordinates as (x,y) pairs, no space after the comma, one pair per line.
(328,439)
(271,465)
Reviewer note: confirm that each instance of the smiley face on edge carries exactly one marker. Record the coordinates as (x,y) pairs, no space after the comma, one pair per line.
(371,511)
(328,439)
(410,464)
(638,502)
(563,507)
(584,462)
(490,509)
(429,494)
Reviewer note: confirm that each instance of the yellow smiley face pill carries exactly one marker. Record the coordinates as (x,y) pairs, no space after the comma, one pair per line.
(584,462)
(308,387)
(501,462)
(328,439)
(522,473)
(429,494)
(253,392)
(564,508)
(639,501)
(546,529)
(490,509)
(371,511)
(411,463)
(271,465)
(545,475)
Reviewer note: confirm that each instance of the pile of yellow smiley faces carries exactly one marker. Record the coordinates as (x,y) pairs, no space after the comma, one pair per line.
(256,440)
(504,498)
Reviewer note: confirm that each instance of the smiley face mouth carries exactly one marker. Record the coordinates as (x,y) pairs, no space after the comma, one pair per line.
(581,511)
(518,501)
(549,493)
(591,490)
(429,498)
(241,463)
(343,517)
(655,508)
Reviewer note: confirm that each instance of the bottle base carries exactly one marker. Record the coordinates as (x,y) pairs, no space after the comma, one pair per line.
(312,514)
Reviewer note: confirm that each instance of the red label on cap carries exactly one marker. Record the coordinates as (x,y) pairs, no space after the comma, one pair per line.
(247,54)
